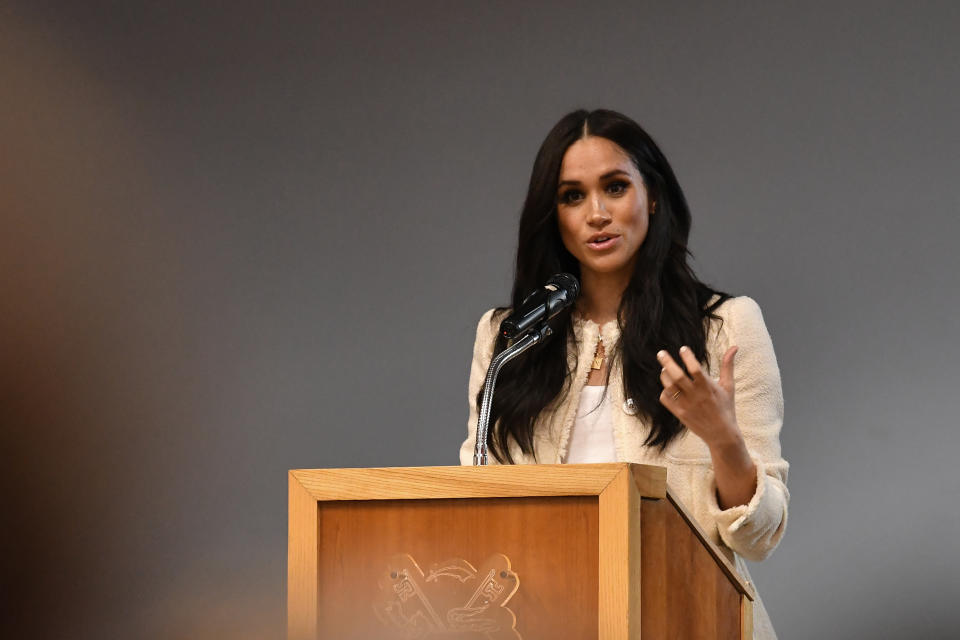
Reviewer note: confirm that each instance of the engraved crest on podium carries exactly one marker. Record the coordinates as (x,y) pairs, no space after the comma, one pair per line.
(450,599)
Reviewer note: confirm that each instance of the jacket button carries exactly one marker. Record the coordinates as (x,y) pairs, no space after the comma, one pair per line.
(630,407)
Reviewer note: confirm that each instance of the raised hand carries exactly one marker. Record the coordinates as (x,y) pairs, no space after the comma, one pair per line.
(706,407)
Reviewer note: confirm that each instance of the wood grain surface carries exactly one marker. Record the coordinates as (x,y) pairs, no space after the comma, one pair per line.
(619,561)
(492,481)
(579,537)
(746,619)
(685,592)
(552,543)
(302,529)
(722,561)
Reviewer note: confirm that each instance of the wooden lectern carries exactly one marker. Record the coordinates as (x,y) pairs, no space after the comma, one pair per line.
(529,551)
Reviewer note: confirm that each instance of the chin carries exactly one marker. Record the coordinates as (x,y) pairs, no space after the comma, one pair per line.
(604,268)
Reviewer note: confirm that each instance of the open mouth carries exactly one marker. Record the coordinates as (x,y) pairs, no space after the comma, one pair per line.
(602,241)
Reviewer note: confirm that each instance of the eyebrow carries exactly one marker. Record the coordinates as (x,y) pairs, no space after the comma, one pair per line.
(608,174)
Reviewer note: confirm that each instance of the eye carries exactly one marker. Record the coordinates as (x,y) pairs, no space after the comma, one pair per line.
(618,187)
(570,196)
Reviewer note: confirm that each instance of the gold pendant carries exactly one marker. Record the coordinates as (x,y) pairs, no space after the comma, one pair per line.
(598,356)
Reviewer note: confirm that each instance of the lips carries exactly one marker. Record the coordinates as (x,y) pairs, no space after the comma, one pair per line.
(601,241)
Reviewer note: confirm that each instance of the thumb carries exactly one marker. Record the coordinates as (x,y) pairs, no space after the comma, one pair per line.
(726,369)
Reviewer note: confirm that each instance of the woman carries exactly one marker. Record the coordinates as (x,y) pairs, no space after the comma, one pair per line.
(651,365)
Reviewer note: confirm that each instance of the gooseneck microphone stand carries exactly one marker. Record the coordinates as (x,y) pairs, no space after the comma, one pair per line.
(483,421)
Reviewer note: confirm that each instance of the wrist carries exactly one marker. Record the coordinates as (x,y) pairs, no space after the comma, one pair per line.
(727,439)
(731,454)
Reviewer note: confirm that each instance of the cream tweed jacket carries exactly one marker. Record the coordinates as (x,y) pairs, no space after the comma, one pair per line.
(750,531)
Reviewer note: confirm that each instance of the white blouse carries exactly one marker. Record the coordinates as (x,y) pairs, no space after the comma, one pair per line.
(592,437)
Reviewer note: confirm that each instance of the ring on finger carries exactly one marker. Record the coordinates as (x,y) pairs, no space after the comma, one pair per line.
(677,394)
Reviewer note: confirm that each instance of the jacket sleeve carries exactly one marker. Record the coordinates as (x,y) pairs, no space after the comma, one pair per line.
(754,530)
(482,355)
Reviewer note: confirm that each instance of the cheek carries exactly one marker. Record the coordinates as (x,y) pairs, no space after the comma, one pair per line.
(643,224)
(639,223)
(641,232)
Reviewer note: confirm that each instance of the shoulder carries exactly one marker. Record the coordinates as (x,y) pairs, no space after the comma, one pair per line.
(488,327)
(741,324)
(739,321)
(742,313)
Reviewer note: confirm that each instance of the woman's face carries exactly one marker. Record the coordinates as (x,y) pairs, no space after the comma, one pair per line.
(601,207)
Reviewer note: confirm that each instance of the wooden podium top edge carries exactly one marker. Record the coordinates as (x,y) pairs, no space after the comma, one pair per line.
(492,481)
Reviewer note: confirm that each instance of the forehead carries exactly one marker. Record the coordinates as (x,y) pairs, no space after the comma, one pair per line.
(594,156)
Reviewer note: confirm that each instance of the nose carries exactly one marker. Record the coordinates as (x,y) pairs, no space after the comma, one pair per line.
(599,216)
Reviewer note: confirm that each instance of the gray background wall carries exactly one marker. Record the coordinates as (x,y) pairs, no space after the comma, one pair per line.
(240,237)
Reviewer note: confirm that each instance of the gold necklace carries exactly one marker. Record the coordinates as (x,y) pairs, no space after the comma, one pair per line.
(598,355)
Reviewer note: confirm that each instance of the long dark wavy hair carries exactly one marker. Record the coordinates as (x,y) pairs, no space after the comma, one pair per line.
(664,306)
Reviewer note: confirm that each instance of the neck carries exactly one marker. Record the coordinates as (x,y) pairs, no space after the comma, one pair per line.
(600,295)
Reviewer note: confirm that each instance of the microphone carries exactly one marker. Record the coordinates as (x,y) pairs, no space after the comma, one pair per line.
(541,306)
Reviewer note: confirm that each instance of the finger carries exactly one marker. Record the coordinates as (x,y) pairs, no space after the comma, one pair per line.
(691,363)
(672,369)
(726,369)
(665,379)
(669,384)
(667,400)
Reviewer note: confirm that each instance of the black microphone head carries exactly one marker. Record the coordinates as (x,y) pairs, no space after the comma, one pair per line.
(567,282)
(542,305)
